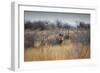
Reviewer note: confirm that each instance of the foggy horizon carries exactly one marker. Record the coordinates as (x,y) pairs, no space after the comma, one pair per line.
(72,19)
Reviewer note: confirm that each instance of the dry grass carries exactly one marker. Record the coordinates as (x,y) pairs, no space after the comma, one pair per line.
(67,50)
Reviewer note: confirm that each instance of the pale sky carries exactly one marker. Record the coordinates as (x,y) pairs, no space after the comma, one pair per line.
(70,18)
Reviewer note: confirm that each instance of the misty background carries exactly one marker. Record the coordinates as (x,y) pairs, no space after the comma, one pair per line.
(72,19)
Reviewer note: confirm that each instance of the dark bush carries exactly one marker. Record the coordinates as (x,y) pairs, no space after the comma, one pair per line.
(28,40)
(81,38)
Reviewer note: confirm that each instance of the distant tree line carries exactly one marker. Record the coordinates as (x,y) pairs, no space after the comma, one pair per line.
(46,25)
(83,25)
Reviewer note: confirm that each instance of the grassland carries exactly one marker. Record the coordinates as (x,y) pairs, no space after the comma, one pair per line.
(67,50)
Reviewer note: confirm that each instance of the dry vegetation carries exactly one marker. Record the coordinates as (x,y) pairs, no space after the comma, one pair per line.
(59,52)
(76,46)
